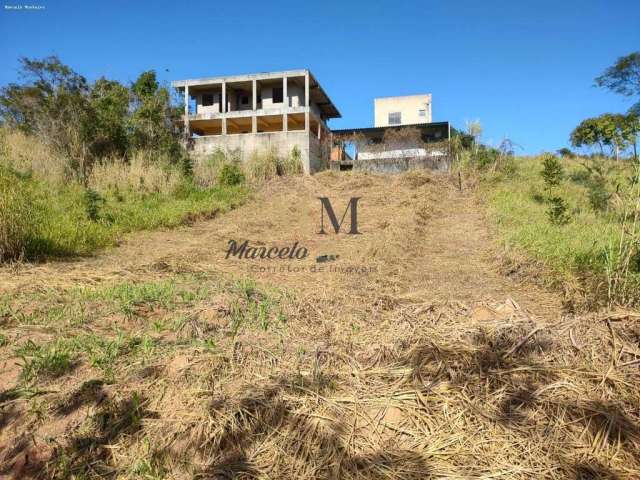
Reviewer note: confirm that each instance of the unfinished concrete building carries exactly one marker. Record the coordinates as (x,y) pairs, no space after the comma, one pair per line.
(251,113)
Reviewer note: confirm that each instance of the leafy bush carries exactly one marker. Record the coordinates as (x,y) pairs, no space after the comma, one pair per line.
(598,194)
(486,157)
(88,122)
(580,177)
(557,211)
(93,202)
(230,175)
(552,172)
(186,164)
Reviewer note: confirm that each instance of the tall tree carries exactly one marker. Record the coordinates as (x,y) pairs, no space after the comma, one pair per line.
(52,103)
(623,77)
(614,130)
(87,121)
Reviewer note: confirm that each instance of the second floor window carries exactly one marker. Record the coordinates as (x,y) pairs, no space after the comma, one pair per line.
(207,99)
(422,113)
(395,118)
(277,94)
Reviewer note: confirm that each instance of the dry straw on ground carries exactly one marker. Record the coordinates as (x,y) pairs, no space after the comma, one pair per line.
(432,365)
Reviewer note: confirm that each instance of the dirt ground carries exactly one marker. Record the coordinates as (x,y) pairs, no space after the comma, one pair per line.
(408,354)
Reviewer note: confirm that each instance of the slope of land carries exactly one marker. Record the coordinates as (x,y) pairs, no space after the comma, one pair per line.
(408,356)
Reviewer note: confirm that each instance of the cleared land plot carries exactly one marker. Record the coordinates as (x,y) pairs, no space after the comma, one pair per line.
(160,358)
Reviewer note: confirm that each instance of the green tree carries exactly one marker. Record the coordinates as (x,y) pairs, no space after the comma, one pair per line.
(623,77)
(614,130)
(109,100)
(631,131)
(86,121)
(153,118)
(565,152)
(52,103)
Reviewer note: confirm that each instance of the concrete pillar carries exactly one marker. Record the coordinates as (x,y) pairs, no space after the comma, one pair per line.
(254,118)
(224,98)
(319,129)
(254,88)
(187,132)
(306,102)
(224,108)
(285,104)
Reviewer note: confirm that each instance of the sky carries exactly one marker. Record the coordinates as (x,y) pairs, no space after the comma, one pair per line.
(525,69)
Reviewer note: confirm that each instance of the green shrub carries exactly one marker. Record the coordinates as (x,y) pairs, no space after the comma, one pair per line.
(580,177)
(485,157)
(230,175)
(93,202)
(557,211)
(552,172)
(187,167)
(598,194)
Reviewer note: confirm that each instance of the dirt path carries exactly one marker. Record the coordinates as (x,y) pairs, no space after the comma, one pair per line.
(409,356)
(424,239)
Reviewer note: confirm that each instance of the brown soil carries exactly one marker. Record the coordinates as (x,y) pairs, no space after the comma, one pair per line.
(430,364)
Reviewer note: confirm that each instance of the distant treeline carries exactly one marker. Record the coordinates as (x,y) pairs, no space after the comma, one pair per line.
(87,121)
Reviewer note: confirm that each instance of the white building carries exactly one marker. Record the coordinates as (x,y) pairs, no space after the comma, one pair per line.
(407,110)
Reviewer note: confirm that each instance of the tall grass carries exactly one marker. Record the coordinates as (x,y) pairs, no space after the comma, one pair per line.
(588,247)
(20,213)
(32,158)
(206,168)
(143,173)
(263,166)
(41,216)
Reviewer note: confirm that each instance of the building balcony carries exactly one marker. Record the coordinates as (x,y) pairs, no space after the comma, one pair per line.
(247,113)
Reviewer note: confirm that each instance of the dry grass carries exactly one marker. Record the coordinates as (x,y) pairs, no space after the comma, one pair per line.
(144,172)
(206,168)
(433,365)
(31,157)
(19,217)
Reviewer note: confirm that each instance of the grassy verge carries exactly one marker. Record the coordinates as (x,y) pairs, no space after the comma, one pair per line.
(40,219)
(582,248)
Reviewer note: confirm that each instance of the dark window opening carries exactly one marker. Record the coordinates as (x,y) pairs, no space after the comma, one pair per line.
(244,100)
(207,99)
(395,118)
(277,94)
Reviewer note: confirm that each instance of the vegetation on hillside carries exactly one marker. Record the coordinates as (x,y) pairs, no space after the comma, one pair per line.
(83,163)
(578,214)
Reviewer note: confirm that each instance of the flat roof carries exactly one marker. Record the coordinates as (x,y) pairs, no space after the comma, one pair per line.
(316,92)
(403,96)
(428,130)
